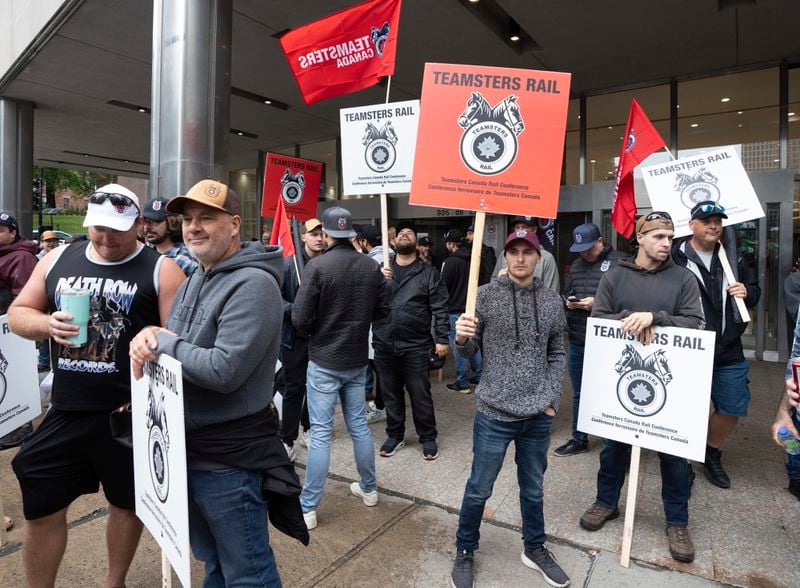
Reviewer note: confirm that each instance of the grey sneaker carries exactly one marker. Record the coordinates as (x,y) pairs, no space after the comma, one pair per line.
(541,560)
(463,575)
(375,415)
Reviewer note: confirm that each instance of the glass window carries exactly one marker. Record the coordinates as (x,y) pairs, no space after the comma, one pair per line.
(571,175)
(735,109)
(243,182)
(794,152)
(325,152)
(607,116)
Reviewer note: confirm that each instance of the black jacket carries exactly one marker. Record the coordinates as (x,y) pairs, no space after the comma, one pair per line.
(583,280)
(342,293)
(488,261)
(728,346)
(418,298)
(455,275)
(288,292)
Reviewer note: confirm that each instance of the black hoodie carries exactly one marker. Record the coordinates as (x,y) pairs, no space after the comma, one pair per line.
(455,275)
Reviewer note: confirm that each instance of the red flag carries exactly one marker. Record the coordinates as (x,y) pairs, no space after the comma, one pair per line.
(640,140)
(282,230)
(344,52)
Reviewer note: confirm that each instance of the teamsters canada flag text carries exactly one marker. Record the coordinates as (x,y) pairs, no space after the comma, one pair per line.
(344,52)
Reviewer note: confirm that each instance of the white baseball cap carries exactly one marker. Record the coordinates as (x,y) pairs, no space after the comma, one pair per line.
(112,206)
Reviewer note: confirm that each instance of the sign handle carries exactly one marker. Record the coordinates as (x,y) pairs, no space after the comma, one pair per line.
(385,205)
(3,532)
(726,267)
(166,571)
(475,263)
(630,507)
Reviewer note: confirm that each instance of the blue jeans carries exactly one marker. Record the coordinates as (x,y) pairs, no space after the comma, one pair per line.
(228,528)
(44,353)
(615,458)
(490,439)
(463,364)
(793,463)
(575,368)
(325,387)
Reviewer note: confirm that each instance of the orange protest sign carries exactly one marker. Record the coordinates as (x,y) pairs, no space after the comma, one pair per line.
(490,139)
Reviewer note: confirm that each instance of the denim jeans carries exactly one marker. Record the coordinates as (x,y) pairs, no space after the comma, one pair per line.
(614,461)
(793,462)
(44,353)
(228,528)
(490,439)
(575,368)
(407,372)
(464,364)
(325,387)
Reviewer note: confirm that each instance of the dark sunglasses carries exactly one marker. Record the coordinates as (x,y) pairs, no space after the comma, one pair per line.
(658,215)
(710,208)
(117,200)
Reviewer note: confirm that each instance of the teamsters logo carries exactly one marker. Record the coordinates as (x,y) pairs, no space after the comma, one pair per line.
(697,188)
(3,383)
(642,386)
(380,153)
(379,36)
(158,445)
(489,142)
(292,186)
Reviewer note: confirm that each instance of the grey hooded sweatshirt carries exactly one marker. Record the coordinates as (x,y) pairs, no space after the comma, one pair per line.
(521,334)
(227,325)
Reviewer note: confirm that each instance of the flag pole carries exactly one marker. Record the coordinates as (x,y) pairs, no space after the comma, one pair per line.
(296,239)
(385,204)
(729,250)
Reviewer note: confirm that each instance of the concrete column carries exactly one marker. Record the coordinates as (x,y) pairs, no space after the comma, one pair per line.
(16,161)
(191,84)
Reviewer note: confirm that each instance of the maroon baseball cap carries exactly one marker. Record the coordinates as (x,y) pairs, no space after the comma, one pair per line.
(523,235)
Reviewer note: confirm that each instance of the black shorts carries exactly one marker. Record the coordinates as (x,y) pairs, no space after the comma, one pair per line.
(71,454)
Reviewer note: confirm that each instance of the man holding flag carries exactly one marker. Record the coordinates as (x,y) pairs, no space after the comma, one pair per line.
(641,139)
(344,52)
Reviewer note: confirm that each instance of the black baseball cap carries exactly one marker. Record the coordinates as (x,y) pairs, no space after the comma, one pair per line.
(10,221)
(425,241)
(155,209)
(708,208)
(531,221)
(372,234)
(454,236)
(404,224)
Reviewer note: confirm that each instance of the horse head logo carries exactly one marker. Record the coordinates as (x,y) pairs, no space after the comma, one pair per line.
(642,386)
(370,134)
(489,143)
(379,36)
(630,360)
(292,186)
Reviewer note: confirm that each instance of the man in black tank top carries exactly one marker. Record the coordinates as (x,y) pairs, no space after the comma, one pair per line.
(72,452)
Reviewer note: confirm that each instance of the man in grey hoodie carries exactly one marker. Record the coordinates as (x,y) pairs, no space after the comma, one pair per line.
(642,293)
(228,367)
(519,323)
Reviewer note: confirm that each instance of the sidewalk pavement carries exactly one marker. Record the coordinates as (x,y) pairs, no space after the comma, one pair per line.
(745,536)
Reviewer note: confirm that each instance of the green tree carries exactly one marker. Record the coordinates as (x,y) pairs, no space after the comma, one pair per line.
(80,183)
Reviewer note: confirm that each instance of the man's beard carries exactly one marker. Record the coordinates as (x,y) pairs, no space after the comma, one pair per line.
(157,240)
(405,248)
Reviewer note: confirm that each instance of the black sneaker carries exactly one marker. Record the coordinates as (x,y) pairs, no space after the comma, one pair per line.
(571,447)
(541,560)
(474,381)
(455,387)
(391,446)
(794,488)
(713,469)
(463,575)
(16,437)
(430,450)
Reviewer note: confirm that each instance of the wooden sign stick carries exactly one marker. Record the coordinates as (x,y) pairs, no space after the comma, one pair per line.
(385,205)
(630,507)
(475,263)
(3,532)
(726,268)
(166,571)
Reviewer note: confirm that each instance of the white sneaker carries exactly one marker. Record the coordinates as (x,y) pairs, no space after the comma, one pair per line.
(369,498)
(289,452)
(305,438)
(375,415)
(310,518)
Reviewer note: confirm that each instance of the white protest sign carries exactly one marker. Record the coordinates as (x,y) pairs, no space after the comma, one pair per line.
(378,143)
(19,380)
(655,396)
(159,460)
(676,186)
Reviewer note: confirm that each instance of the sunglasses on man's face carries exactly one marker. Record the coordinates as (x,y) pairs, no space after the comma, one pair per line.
(657,216)
(120,202)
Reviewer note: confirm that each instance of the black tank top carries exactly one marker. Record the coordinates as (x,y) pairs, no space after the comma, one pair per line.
(97,376)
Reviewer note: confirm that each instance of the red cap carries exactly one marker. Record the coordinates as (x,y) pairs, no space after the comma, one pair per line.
(523,235)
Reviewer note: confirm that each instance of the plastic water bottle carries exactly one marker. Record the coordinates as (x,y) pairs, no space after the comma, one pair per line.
(790,442)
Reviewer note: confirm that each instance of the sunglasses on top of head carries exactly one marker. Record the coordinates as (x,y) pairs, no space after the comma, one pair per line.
(116,199)
(657,216)
(711,208)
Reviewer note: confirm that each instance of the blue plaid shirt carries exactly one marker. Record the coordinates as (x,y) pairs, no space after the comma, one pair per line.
(180,253)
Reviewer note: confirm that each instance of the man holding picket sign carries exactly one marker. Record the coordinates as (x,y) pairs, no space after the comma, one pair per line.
(730,393)
(648,291)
